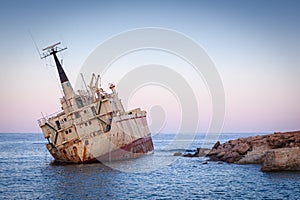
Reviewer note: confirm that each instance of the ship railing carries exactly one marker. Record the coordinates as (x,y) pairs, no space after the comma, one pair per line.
(44,119)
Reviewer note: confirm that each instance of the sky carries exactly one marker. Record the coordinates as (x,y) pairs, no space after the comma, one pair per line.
(255,46)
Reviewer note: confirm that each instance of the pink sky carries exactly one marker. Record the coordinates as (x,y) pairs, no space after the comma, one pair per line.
(255,50)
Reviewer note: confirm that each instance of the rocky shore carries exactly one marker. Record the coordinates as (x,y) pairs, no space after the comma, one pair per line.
(276,152)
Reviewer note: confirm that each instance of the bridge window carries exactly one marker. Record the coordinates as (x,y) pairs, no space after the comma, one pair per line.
(58,124)
(93,110)
(79,102)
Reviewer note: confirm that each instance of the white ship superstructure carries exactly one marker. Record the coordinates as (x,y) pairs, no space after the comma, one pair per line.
(93,125)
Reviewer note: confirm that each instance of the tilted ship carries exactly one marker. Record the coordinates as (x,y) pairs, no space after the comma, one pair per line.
(93,125)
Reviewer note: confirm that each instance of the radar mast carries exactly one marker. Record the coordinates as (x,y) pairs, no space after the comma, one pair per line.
(65,83)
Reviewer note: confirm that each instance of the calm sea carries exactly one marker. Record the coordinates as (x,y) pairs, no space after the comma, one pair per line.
(27,172)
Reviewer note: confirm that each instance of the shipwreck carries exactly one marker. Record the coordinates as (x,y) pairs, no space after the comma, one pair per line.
(92,125)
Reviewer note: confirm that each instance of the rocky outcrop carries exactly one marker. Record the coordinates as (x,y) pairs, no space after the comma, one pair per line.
(270,150)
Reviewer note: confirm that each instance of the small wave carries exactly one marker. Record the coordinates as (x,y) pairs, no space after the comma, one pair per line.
(39,143)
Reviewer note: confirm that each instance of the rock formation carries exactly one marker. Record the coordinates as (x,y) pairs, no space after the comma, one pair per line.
(278,151)
(200,152)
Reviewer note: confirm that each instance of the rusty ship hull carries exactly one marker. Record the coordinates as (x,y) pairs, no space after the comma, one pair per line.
(93,126)
(135,149)
(102,147)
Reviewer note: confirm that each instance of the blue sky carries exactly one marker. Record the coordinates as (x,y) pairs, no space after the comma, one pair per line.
(254,44)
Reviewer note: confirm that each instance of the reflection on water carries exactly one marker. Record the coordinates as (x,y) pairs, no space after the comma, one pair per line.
(27,171)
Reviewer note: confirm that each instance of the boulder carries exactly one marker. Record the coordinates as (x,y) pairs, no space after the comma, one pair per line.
(231,157)
(200,152)
(221,154)
(177,154)
(253,157)
(189,155)
(216,145)
(243,149)
(282,159)
(213,152)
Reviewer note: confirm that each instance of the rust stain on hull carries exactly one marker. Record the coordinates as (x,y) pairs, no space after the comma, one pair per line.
(84,154)
(135,149)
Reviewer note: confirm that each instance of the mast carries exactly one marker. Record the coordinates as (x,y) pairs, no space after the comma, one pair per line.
(62,75)
(65,83)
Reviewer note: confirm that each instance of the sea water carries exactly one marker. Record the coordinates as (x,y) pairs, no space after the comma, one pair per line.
(27,172)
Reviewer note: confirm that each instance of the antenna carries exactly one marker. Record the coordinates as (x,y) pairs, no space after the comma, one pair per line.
(52,46)
(99,78)
(36,47)
(52,49)
(84,83)
(95,85)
